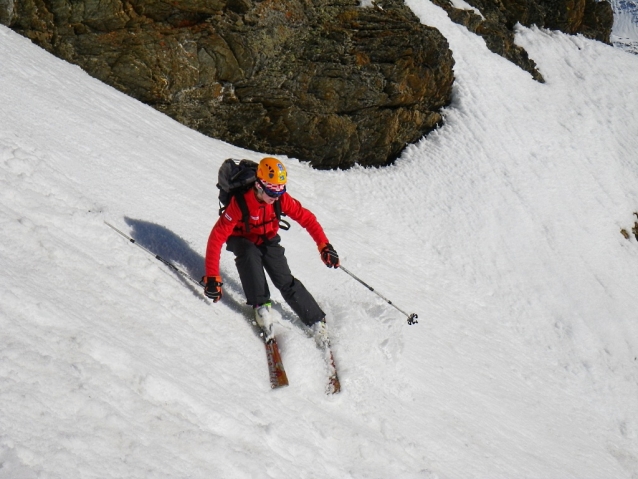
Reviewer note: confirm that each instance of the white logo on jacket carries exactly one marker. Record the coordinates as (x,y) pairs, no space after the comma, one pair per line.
(227,216)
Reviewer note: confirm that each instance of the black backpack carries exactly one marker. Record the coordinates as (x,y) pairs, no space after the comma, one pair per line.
(234,180)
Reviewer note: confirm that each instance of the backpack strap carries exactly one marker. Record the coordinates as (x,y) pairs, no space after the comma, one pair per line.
(283,224)
(245,214)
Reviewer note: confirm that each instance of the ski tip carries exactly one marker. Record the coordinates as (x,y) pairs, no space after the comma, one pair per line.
(334,386)
(279,385)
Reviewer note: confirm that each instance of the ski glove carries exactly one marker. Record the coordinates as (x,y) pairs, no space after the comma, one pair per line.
(329,256)
(213,287)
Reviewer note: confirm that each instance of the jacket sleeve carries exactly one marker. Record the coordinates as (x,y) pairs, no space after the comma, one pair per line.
(304,217)
(218,236)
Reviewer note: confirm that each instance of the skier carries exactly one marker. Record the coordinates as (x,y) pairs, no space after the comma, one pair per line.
(258,248)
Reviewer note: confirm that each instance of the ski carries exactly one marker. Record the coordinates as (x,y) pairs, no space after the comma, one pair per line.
(319,332)
(334,385)
(276,369)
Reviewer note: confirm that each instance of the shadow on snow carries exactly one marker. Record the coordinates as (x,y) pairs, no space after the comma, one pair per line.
(164,243)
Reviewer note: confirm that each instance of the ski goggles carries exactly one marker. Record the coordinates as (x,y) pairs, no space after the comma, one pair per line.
(272,190)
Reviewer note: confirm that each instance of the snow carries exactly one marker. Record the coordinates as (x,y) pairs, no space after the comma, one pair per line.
(501,230)
(624,33)
(463,5)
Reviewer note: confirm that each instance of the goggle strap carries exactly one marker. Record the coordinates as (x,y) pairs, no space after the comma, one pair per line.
(269,192)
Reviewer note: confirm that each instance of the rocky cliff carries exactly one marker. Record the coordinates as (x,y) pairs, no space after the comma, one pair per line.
(495,20)
(325,81)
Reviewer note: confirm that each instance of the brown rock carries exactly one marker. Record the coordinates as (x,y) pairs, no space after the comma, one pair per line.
(323,81)
(588,17)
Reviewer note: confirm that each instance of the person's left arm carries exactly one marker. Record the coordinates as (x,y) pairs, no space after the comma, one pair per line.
(293,208)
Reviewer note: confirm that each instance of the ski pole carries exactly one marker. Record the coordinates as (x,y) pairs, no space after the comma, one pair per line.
(411,317)
(156,256)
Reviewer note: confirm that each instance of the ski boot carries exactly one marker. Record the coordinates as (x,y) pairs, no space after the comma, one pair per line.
(263,317)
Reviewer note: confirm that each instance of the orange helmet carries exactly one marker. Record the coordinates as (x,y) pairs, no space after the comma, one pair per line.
(271,173)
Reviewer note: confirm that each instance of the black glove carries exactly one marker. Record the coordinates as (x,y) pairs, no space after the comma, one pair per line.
(213,287)
(329,256)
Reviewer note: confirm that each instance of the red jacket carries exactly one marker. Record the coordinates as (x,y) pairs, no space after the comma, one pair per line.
(263,225)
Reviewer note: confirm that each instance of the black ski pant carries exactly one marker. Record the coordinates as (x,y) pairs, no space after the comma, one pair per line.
(252,260)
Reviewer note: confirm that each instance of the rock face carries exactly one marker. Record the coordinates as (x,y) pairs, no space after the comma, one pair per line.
(495,23)
(321,80)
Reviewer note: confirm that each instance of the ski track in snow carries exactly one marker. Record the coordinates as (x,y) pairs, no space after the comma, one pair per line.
(500,229)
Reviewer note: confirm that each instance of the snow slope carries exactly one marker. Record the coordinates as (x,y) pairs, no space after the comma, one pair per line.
(501,230)
(624,34)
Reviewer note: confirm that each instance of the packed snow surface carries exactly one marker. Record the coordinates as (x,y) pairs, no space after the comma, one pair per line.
(501,230)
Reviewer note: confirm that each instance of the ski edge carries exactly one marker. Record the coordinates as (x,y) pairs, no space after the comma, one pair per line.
(334,384)
(277,373)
